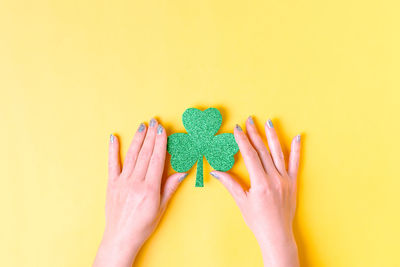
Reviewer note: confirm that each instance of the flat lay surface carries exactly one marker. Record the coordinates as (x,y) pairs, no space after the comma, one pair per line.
(74,72)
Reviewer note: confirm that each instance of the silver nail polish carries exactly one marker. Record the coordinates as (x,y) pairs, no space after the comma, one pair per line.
(214,175)
(269,123)
(238,127)
(298,138)
(183,177)
(159,129)
(111,138)
(152,122)
(141,127)
(251,120)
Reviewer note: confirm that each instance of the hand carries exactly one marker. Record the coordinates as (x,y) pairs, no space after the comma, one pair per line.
(135,198)
(268,207)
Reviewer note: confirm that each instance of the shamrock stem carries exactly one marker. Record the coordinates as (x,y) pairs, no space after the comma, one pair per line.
(199,173)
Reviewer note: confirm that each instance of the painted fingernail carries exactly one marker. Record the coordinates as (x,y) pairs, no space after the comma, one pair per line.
(251,120)
(159,129)
(298,138)
(238,127)
(111,138)
(183,177)
(214,175)
(141,127)
(269,123)
(152,122)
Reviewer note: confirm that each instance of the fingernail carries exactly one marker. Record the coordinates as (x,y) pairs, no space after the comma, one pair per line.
(159,129)
(269,123)
(141,127)
(152,122)
(298,138)
(111,138)
(214,175)
(183,177)
(238,127)
(251,120)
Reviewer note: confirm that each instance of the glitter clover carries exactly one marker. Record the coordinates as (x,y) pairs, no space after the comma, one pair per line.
(200,140)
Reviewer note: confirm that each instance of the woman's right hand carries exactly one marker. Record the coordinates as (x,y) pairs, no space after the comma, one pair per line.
(136,196)
(268,207)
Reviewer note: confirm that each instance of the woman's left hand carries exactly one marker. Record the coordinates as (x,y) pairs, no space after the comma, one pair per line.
(136,199)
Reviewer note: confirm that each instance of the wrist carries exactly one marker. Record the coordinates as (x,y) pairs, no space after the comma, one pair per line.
(279,252)
(113,253)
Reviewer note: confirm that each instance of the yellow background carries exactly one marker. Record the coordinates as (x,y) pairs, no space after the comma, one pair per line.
(72,72)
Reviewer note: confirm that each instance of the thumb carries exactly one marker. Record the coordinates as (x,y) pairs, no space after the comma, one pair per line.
(172,183)
(234,188)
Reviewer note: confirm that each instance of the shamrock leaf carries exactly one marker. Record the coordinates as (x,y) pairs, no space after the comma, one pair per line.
(201,141)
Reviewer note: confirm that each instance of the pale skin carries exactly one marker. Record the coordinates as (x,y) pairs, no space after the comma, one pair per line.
(137,197)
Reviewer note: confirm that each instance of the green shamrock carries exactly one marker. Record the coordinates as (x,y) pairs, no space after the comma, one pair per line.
(200,140)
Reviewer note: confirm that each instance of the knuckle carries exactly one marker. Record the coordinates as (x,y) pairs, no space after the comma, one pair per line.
(146,153)
(279,184)
(262,188)
(282,185)
(251,153)
(263,153)
(280,155)
(158,157)
(282,170)
(274,172)
(280,190)
(135,143)
(241,139)
(150,187)
(162,138)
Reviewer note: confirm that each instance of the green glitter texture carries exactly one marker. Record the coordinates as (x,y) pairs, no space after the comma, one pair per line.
(200,140)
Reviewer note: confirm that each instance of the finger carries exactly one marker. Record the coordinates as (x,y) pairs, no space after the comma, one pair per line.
(157,160)
(251,159)
(133,151)
(170,187)
(146,150)
(114,166)
(260,147)
(233,187)
(294,160)
(275,147)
